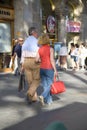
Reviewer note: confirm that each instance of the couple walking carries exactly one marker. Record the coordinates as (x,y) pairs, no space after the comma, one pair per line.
(39,65)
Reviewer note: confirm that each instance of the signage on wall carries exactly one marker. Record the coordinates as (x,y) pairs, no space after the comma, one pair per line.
(6,13)
(51,24)
(72,26)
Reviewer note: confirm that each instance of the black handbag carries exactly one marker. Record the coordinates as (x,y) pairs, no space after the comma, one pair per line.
(22,82)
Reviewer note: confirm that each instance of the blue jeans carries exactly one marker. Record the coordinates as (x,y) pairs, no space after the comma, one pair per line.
(46,80)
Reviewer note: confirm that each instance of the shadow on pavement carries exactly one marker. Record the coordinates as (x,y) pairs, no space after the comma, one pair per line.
(73,116)
(74,74)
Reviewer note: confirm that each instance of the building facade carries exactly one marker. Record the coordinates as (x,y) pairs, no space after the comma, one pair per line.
(16,16)
(71,17)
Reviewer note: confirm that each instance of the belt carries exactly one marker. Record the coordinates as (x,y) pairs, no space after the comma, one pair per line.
(29,57)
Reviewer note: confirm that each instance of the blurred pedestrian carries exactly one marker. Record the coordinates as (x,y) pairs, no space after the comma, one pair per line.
(48,69)
(13,63)
(29,66)
(83,55)
(72,55)
(17,54)
(76,56)
(63,56)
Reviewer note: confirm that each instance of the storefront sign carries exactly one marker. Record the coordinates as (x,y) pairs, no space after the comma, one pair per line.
(72,26)
(6,13)
(51,24)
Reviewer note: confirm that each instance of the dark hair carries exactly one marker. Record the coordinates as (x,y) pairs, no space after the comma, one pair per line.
(31,30)
(76,45)
(83,44)
(72,44)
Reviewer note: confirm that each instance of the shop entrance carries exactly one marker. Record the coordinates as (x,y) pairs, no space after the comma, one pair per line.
(6,35)
(5,45)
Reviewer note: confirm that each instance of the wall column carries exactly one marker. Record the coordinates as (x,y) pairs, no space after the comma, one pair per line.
(27,14)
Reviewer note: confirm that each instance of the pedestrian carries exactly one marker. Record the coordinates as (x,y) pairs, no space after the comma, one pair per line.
(13,62)
(76,57)
(48,69)
(72,55)
(83,55)
(63,56)
(17,54)
(29,66)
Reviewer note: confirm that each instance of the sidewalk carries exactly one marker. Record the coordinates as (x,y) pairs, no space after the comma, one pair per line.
(70,107)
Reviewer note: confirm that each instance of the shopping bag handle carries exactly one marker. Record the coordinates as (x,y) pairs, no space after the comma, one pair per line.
(56,78)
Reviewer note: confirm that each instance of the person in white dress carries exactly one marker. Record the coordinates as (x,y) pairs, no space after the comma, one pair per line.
(63,56)
(83,55)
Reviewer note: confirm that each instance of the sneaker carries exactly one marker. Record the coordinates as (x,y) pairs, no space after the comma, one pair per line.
(49,103)
(41,99)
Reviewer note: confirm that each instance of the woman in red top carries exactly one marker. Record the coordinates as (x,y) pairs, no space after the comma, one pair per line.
(48,69)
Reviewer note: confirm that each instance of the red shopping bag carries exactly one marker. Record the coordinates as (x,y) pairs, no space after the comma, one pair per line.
(57,87)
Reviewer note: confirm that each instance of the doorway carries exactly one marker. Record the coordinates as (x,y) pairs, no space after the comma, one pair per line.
(5,45)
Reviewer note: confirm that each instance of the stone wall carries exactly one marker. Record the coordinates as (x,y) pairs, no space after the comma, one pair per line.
(27,14)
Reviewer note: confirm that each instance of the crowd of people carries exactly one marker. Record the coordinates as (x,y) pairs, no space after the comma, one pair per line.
(35,58)
(78,55)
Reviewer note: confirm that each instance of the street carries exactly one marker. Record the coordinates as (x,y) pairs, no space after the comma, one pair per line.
(69,107)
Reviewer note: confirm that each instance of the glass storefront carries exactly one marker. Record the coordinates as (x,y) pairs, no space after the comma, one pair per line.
(6,33)
(5,44)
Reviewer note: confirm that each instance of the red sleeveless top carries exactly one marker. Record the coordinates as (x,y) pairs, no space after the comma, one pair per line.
(44,52)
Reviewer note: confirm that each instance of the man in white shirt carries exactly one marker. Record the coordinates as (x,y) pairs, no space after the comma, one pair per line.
(30,67)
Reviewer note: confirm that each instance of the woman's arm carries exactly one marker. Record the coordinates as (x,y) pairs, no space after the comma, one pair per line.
(37,58)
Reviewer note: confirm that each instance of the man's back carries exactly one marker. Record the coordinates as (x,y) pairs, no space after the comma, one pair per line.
(30,44)
(29,66)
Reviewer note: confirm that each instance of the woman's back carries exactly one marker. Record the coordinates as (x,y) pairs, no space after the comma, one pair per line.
(44,53)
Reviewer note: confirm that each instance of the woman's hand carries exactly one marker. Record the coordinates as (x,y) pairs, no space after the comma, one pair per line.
(55,73)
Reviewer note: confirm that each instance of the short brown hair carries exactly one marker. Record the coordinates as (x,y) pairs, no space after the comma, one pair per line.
(44,39)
